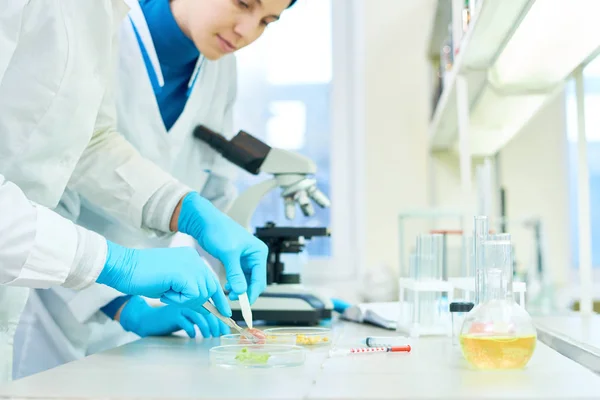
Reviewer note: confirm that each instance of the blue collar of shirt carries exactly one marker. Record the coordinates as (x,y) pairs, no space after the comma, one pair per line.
(172,46)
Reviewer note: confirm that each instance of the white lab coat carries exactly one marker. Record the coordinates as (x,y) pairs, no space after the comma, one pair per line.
(57,128)
(72,323)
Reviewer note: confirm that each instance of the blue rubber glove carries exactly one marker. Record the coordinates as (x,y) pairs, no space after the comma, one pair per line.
(175,275)
(340,305)
(243,255)
(142,319)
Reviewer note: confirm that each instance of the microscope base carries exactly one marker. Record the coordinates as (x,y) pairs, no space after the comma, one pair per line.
(288,304)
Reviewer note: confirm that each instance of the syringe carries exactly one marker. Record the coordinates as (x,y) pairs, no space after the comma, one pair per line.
(367,350)
(385,341)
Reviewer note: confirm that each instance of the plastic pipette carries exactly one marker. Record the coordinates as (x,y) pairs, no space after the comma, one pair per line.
(370,350)
(246,310)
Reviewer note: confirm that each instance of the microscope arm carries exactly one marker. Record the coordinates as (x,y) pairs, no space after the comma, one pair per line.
(244,205)
(280,161)
(290,171)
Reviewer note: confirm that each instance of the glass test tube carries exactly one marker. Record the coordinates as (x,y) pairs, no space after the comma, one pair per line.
(412,266)
(422,316)
(468,260)
(423,253)
(411,297)
(480,233)
(430,257)
(497,260)
(429,267)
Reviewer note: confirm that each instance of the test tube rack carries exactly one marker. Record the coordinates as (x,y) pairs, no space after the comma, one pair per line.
(464,289)
(408,322)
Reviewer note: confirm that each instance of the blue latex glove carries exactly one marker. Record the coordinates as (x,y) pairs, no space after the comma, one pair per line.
(340,305)
(176,275)
(243,255)
(144,320)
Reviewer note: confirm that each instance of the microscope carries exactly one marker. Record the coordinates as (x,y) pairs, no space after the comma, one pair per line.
(285,300)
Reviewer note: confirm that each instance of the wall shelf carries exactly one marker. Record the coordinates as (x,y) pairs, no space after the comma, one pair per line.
(505,88)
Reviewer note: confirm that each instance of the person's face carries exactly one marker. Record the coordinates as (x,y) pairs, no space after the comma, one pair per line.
(219,27)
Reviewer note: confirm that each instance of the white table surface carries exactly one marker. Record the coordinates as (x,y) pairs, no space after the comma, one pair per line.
(175,367)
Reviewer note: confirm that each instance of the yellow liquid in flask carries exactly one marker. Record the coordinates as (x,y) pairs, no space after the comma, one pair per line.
(498,352)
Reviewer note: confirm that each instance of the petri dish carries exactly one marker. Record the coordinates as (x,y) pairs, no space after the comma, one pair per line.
(233,339)
(304,336)
(257,356)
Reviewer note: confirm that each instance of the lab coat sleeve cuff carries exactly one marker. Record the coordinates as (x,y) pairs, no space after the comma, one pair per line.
(89,260)
(52,255)
(158,211)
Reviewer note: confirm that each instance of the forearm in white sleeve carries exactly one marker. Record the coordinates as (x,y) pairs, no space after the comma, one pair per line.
(112,175)
(39,248)
(115,177)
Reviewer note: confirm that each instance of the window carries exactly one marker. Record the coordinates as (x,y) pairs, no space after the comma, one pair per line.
(284,85)
(592,123)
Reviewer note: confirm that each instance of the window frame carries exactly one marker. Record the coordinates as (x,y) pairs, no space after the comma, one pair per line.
(592,88)
(346,162)
(347,150)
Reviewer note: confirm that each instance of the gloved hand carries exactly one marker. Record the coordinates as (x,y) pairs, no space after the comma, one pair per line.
(142,319)
(340,305)
(174,275)
(243,255)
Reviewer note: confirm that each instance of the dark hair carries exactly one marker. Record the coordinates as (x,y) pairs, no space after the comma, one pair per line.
(292,3)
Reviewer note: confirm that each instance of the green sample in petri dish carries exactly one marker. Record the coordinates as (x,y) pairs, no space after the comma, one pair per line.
(257,356)
(246,357)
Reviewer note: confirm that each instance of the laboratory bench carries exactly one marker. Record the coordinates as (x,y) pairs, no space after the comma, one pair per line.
(575,336)
(175,367)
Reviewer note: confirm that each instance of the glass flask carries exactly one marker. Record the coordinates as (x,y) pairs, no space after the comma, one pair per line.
(498,333)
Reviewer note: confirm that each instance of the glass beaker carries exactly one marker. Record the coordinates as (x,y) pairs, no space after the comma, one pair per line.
(498,333)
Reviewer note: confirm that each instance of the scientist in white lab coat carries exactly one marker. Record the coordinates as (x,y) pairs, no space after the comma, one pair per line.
(175,72)
(58,130)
